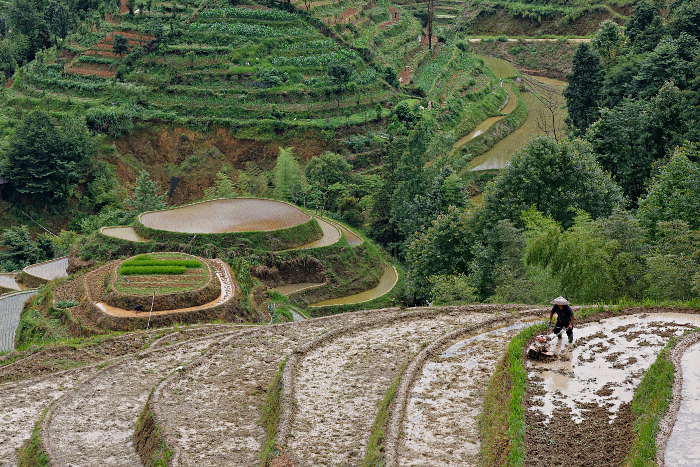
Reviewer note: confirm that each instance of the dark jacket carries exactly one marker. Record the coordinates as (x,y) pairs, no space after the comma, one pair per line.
(564,315)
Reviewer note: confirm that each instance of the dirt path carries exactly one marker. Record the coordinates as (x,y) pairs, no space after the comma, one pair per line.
(212,409)
(340,385)
(440,423)
(94,423)
(21,405)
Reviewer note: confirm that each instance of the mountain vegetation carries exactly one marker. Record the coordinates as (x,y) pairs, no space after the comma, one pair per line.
(110,109)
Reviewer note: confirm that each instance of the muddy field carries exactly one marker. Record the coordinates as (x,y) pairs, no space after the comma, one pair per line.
(578,407)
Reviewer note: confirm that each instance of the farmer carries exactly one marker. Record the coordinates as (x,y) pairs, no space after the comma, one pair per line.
(565,317)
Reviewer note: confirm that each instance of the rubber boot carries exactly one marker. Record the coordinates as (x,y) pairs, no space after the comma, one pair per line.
(571,339)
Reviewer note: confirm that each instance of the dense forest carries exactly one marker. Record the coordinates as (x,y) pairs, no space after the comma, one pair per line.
(607,212)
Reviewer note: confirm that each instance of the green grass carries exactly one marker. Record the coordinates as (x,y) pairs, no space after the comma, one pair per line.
(272,406)
(374,455)
(650,403)
(502,422)
(32,454)
(151,270)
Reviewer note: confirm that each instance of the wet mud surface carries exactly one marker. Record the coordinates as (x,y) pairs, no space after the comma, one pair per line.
(440,423)
(341,384)
(578,407)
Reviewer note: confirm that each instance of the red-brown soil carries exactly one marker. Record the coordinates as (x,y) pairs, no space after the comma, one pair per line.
(395,18)
(343,17)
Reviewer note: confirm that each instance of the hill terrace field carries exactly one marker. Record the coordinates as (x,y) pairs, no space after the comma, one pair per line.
(226,215)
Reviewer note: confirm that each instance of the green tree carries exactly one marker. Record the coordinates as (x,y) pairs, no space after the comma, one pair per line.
(583,91)
(8,62)
(619,81)
(146,197)
(451,290)
(645,28)
(17,249)
(410,182)
(684,16)
(223,188)
(618,139)
(104,190)
(340,74)
(327,169)
(121,45)
(442,248)
(41,162)
(59,17)
(675,192)
(252,181)
(671,60)
(391,77)
(576,256)
(608,42)
(287,175)
(673,268)
(554,177)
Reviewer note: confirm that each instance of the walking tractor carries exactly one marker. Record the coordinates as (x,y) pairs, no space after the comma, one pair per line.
(542,348)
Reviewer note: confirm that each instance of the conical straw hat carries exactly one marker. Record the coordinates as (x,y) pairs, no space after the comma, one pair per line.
(560,301)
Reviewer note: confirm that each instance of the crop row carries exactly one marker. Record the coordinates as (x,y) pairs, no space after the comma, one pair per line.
(428,76)
(188,263)
(313,44)
(316,59)
(151,270)
(246,13)
(250,30)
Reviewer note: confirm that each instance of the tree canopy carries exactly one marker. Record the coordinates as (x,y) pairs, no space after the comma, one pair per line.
(555,178)
(42,161)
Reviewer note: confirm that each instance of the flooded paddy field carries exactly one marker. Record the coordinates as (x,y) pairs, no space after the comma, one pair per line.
(582,400)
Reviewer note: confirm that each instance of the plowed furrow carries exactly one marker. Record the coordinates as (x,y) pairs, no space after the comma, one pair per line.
(213,408)
(94,424)
(339,385)
(21,405)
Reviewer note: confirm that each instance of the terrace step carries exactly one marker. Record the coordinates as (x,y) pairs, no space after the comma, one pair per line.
(22,403)
(225,390)
(339,385)
(93,424)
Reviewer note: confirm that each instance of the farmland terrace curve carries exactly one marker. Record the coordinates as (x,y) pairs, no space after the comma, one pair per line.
(120,317)
(226,215)
(664,441)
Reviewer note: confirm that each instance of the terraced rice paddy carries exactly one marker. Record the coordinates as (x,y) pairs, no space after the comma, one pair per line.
(338,371)
(499,155)
(386,283)
(226,215)
(10,308)
(7,281)
(488,123)
(123,232)
(331,234)
(49,270)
